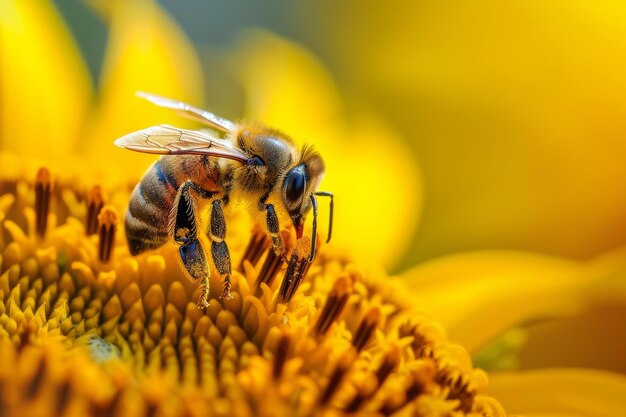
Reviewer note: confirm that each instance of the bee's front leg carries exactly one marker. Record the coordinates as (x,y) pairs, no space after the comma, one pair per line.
(183,228)
(219,249)
(273,229)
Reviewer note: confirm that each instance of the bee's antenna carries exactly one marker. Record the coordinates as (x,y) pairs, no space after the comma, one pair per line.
(313,229)
(332,208)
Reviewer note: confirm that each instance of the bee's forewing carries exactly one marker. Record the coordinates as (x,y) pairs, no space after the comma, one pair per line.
(190,112)
(169,140)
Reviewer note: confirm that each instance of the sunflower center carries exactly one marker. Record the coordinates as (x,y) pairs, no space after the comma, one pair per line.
(325,336)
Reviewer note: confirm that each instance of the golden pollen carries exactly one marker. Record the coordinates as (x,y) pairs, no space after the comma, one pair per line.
(95,200)
(335,303)
(43,191)
(280,356)
(366,329)
(342,366)
(107,220)
(256,247)
(271,265)
(296,270)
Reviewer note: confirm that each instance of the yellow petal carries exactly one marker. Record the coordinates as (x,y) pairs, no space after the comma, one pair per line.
(374,176)
(591,339)
(560,392)
(285,85)
(45,89)
(478,295)
(519,110)
(147,51)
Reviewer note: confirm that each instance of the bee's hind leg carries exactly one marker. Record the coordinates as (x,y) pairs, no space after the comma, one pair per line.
(273,229)
(183,228)
(219,249)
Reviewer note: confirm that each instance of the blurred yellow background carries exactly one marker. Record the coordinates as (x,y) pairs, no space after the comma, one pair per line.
(514,111)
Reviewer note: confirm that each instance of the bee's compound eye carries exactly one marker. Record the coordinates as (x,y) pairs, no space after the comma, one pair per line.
(294,187)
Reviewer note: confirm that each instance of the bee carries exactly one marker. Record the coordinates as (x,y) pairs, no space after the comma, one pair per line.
(252,163)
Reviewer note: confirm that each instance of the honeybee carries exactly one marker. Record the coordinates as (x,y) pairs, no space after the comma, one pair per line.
(252,163)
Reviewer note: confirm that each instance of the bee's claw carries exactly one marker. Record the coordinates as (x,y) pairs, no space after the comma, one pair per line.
(226,295)
(202,304)
(203,301)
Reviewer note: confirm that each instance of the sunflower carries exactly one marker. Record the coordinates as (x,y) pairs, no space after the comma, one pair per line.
(332,339)
(87,329)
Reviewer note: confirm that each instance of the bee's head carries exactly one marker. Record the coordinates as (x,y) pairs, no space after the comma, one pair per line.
(300,182)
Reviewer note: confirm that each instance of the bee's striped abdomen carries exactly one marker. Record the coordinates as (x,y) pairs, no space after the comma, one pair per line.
(149,209)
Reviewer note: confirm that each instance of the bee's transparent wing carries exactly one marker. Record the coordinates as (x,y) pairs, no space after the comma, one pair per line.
(169,140)
(190,112)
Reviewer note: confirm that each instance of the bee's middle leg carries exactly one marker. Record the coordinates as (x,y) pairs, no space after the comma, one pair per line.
(219,249)
(183,227)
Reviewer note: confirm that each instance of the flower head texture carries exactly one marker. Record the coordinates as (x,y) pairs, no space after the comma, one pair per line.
(88,329)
